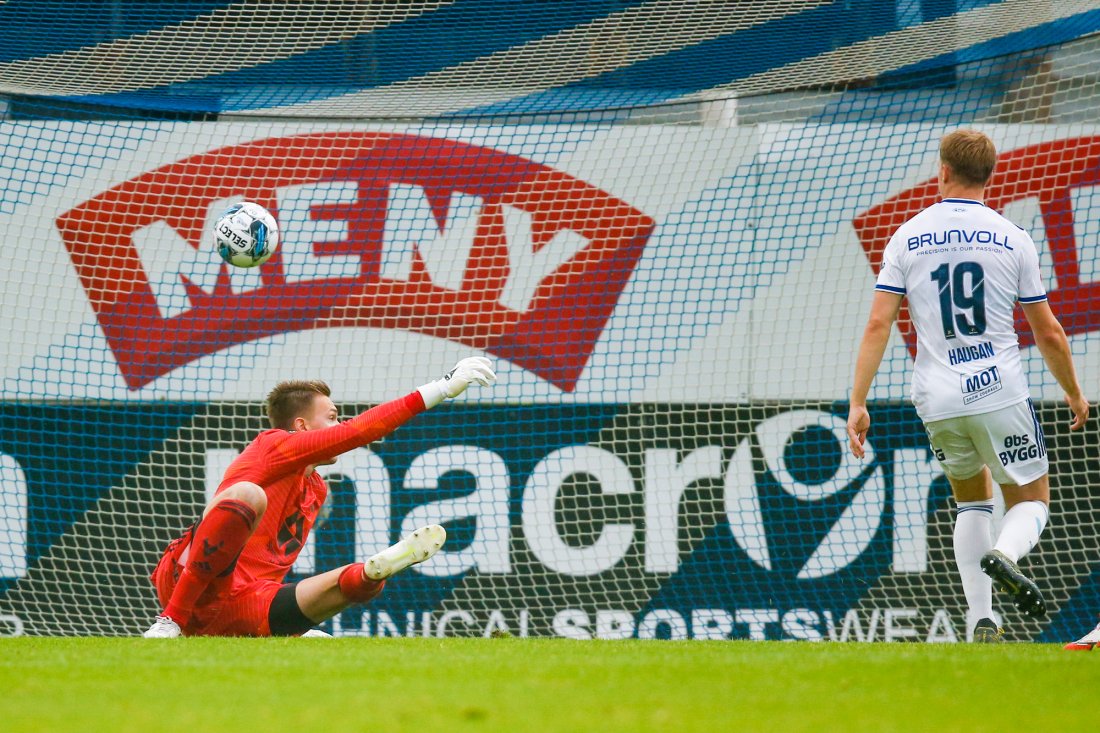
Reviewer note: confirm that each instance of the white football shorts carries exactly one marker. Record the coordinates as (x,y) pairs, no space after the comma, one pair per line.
(1009,441)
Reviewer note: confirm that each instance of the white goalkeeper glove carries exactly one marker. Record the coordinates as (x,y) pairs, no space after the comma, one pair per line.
(474,370)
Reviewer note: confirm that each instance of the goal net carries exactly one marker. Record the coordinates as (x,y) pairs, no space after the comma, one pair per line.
(661,219)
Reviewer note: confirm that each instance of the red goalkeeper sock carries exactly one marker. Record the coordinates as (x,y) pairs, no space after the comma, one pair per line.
(356,586)
(218,540)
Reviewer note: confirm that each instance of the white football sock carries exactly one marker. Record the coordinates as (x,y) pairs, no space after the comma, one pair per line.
(973,538)
(1021,528)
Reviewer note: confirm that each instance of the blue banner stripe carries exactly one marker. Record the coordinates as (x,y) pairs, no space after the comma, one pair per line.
(439,39)
(55,26)
(472,29)
(722,60)
(1036,37)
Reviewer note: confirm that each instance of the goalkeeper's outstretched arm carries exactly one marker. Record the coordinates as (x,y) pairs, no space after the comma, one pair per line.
(313,447)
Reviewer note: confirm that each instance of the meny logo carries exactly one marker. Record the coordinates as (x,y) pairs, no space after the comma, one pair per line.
(380,230)
(1050,173)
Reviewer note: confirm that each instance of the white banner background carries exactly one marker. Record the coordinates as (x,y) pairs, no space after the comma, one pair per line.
(753,286)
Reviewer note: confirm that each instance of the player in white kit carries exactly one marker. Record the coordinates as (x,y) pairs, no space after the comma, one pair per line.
(963,267)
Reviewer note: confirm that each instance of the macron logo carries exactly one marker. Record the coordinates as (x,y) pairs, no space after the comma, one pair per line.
(462,242)
(1037,181)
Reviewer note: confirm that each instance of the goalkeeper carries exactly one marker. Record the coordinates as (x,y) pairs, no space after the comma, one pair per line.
(224,576)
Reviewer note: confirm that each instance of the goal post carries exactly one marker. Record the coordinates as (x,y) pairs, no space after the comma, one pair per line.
(661,220)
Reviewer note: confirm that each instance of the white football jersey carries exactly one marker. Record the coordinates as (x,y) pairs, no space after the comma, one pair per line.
(962,267)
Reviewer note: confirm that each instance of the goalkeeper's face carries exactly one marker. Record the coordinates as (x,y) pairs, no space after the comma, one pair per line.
(320,414)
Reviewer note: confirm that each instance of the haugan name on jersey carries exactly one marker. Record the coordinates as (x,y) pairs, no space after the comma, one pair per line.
(964,354)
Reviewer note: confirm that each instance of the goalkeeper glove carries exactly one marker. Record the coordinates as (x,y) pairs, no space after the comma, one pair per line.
(466,372)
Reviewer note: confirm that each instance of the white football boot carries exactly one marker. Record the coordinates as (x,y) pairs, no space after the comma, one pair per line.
(414,549)
(1086,642)
(316,634)
(163,628)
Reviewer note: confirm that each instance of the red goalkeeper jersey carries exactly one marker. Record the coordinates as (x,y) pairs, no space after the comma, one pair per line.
(279,462)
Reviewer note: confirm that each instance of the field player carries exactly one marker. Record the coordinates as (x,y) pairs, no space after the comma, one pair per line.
(224,576)
(963,267)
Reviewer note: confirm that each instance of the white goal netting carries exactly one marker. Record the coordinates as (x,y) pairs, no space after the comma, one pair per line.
(662,220)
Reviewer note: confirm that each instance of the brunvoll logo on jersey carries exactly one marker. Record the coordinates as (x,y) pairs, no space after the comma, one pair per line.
(664,454)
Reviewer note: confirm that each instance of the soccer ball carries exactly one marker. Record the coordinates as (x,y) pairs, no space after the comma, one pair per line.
(246,235)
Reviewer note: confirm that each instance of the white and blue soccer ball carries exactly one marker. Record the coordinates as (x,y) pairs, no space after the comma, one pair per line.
(246,235)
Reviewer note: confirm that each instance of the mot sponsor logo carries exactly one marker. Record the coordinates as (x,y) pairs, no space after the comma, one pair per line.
(380,230)
(981,384)
(1049,173)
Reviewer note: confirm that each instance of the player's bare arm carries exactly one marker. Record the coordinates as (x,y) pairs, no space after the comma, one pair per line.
(1050,339)
(884,311)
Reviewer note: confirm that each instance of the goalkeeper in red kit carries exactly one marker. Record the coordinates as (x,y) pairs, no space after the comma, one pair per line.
(224,576)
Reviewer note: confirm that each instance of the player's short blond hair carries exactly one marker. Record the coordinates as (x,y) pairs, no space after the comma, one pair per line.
(292,399)
(970,155)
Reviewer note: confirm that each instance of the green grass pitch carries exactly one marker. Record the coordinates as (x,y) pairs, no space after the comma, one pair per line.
(511,684)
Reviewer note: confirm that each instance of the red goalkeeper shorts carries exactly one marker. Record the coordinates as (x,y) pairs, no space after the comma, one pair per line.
(233,605)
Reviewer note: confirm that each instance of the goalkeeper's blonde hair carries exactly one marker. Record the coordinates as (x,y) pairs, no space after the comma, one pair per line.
(970,154)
